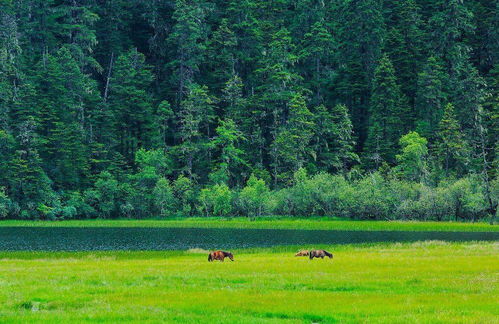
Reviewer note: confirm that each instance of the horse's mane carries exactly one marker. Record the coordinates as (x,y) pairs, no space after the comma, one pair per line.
(226,253)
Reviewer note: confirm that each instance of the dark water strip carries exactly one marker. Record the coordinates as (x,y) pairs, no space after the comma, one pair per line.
(123,238)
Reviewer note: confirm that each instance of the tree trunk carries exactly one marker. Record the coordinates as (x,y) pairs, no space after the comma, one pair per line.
(106,90)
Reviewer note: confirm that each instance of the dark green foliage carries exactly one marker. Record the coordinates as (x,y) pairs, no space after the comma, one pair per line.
(28,184)
(333,141)
(130,104)
(451,147)
(386,117)
(291,148)
(195,117)
(142,108)
(318,51)
(361,32)
(404,42)
(66,97)
(430,98)
(188,41)
(232,161)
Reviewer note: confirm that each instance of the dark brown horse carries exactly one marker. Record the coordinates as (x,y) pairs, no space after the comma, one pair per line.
(220,255)
(319,254)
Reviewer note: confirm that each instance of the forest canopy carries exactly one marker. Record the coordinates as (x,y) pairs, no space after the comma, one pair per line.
(363,109)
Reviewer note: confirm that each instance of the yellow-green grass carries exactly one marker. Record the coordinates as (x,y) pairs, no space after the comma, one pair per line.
(429,282)
(268,222)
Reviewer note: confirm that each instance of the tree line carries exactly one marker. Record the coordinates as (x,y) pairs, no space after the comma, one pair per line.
(365,109)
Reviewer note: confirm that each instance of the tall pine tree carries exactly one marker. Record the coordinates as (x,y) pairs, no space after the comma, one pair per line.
(451,149)
(130,103)
(290,149)
(333,139)
(388,111)
(430,98)
(196,117)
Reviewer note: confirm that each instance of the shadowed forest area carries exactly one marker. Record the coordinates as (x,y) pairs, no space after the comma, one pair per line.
(363,109)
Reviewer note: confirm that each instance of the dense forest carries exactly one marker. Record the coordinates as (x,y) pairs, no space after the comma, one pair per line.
(358,108)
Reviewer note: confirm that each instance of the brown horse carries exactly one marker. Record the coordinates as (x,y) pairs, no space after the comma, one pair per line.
(302,253)
(220,255)
(319,254)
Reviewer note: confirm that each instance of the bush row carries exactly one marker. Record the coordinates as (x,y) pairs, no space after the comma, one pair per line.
(373,196)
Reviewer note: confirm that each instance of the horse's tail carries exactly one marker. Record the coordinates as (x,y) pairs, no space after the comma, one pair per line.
(209,257)
(311,255)
(330,255)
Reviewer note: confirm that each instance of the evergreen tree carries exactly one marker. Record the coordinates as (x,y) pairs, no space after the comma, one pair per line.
(42,22)
(290,150)
(388,111)
(361,32)
(232,159)
(131,104)
(449,25)
(278,79)
(114,30)
(484,41)
(278,85)
(472,105)
(333,139)
(7,146)
(317,50)
(247,116)
(78,29)
(451,148)
(63,93)
(491,104)
(164,116)
(221,56)
(233,101)
(468,96)
(343,143)
(404,43)
(196,116)
(188,38)
(29,185)
(10,52)
(450,22)
(430,98)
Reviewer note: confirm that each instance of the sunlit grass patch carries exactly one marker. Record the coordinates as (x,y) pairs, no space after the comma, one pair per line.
(376,283)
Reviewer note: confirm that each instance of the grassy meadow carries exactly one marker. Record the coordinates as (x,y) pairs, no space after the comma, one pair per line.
(398,283)
(311,223)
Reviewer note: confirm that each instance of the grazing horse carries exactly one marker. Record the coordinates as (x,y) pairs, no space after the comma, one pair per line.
(319,254)
(220,255)
(302,253)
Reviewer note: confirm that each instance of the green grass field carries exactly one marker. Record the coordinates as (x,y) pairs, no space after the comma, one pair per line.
(428,282)
(269,222)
